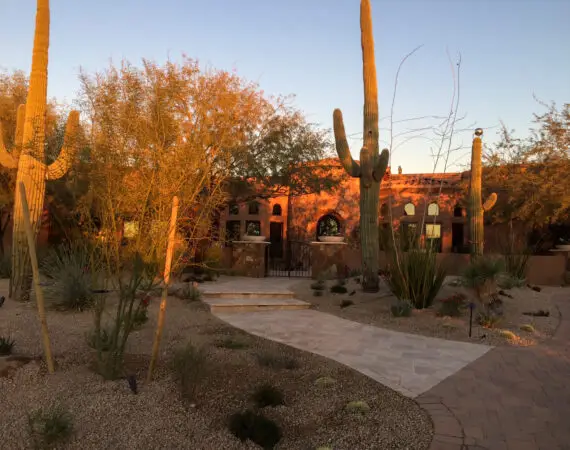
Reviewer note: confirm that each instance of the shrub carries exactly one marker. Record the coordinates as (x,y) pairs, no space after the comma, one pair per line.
(318,286)
(488,319)
(481,275)
(358,406)
(338,289)
(416,276)
(527,327)
(508,281)
(255,427)
(6,345)
(232,344)
(318,293)
(539,313)
(267,395)
(508,335)
(101,341)
(346,303)
(5,266)
(277,361)
(50,427)
(401,308)
(72,273)
(190,293)
(451,306)
(325,381)
(189,366)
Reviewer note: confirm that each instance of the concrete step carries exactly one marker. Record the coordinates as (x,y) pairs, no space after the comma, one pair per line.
(222,294)
(243,304)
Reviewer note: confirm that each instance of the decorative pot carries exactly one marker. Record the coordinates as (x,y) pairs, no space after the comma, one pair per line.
(563,247)
(254,238)
(331,238)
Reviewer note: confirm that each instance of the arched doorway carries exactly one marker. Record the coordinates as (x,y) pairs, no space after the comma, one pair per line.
(328,225)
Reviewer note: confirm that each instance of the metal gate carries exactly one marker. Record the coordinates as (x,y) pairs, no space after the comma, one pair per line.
(295,261)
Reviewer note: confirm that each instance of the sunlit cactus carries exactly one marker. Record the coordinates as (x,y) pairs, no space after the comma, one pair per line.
(28,154)
(372,165)
(476,207)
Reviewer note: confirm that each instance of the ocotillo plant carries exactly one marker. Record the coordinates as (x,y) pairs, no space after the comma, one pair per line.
(28,156)
(476,207)
(372,166)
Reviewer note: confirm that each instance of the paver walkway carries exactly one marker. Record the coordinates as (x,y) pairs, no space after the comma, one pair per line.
(510,399)
(407,363)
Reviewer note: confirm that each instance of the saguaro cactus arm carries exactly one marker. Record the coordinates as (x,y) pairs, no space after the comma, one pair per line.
(61,165)
(381,165)
(349,164)
(6,158)
(490,202)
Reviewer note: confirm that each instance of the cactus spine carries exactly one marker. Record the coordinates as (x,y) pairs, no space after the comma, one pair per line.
(476,207)
(28,155)
(372,165)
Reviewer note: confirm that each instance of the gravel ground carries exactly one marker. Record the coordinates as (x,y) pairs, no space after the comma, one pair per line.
(107,415)
(374,309)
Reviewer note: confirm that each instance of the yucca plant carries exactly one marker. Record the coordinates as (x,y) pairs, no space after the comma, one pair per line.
(481,275)
(6,345)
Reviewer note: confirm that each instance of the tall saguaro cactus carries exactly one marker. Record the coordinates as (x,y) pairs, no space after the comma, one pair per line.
(28,155)
(372,166)
(476,207)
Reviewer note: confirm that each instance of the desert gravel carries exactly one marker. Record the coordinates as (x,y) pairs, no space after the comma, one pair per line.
(107,415)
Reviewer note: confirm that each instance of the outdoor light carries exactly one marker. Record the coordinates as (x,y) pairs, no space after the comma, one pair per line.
(471,307)
(479,132)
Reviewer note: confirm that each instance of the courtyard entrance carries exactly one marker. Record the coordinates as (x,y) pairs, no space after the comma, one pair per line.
(288,259)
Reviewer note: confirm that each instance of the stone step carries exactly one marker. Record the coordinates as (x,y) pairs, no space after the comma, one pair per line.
(253,304)
(212,294)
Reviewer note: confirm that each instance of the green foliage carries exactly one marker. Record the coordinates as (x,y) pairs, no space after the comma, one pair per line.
(255,427)
(338,289)
(346,303)
(357,406)
(5,266)
(73,273)
(267,395)
(401,308)
(507,334)
(189,367)
(507,281)
(325,381)
(416,276)
(318,286)
(451,306)
(6,345)
(101,340)
(527,327)
(231,343)
(539,313)
(277,361)
(488,318)
(50,427)
(190,293)
(482,270)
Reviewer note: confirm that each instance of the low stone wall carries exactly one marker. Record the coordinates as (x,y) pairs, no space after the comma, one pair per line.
(328,258)
(248,258)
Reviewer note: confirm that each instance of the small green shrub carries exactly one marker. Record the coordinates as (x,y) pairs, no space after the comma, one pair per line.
(482,270)
(50,427)
(6,345)
(507,281)
(277,361)
(190,293)
(338,289)
(346,303)
(488,319)
(232,344)
(255,427)
(318,293)
(318,286)
(539,313)
(527,327)
(508,335)
(325,381)
(452,306)
(267,395)
(189,367)
(359,406)
(5,266)
(401,309)
(102,341)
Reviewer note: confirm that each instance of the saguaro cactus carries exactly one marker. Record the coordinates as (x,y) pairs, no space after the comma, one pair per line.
(476,207)
(28,155)
(372,166)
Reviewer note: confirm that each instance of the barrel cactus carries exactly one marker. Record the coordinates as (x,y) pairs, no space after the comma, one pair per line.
(372,166)
(28,154)
(476,207)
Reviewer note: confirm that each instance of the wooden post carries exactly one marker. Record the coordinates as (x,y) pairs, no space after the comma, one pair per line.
(36,275)
(167,268)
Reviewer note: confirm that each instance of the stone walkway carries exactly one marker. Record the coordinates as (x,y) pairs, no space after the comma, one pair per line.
(510,399)
(407,363)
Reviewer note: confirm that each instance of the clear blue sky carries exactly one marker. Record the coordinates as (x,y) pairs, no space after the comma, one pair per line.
(511,49)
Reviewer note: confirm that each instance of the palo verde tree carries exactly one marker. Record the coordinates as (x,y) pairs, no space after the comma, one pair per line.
(372,166)
(28,155)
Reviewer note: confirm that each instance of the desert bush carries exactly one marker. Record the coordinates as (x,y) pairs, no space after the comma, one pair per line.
(318,293)
(100,340)
(508,281)
(5,266)
(451,306)
(416,276)
(277,361)
(189,366)
(318,285)
(50,427)
(482,274)
(267,395)
(507,334)
(338,289)
(255,427)
(6,345)
(325,381)
(358,406)
(527,327)
(232,344)
(190,293)
(401,308)
(346,303)
(539,313)
(488,319)
(73,274)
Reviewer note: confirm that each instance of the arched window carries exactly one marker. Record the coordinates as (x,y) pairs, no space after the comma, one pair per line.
(254,208)
(433,209)
(328,225)
(458,211)
(277,210)
(234,209)
(409,209)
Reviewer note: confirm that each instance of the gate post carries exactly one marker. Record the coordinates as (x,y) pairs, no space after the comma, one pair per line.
(248,258)
(328,259)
